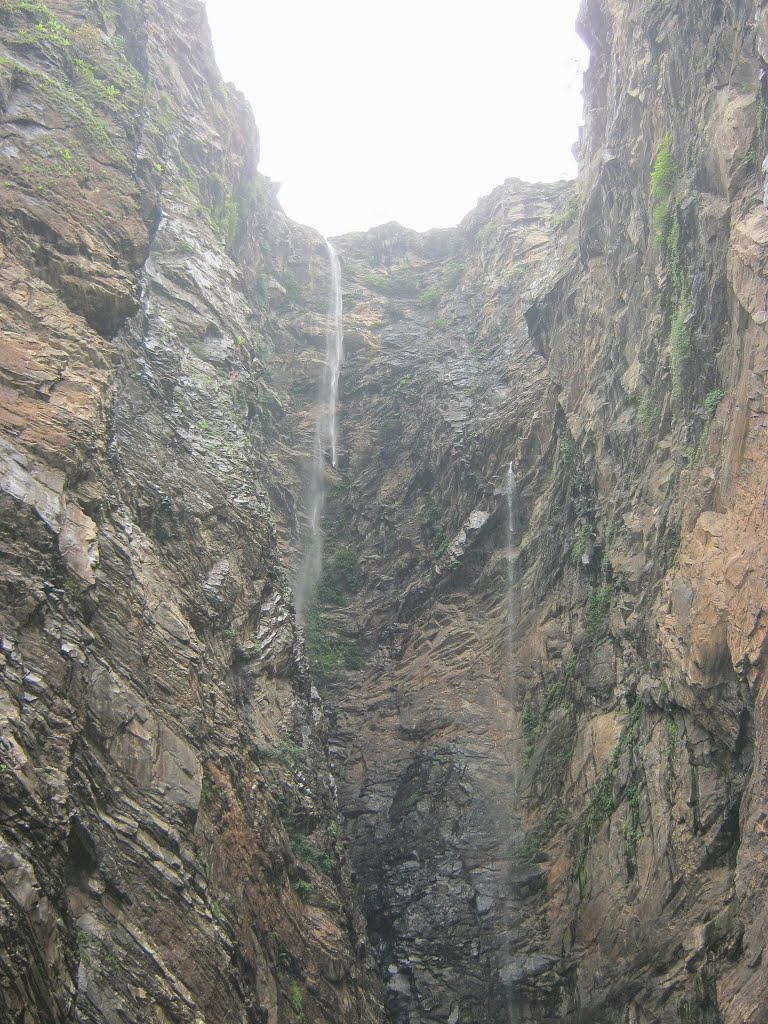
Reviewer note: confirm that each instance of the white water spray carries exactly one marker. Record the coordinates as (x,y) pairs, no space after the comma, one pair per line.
(335,347)
(510,492)
(325,442)
(511,495)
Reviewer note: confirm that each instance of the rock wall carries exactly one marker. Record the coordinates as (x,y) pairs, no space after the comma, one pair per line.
(171,847)
(554,795)
(542,705)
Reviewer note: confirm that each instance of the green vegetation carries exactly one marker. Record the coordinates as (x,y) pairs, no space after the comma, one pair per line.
(712,399)
(538,836)
(341,576)
(648,410)
(330,655)
(534,717)
(311,853)
(664,179)
(679,342)
(452,275)
(402,385)
(632,830)
(297,999)
(431,295)
(602,804)
(440,323)
(566,217)
(430,514)
(402,283)
(580,545)
(672,732)
(287,753)
(598,609)
(443,542)
(711,402)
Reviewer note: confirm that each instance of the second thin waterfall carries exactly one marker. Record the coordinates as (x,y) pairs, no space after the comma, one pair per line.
(511,496)
(325,446)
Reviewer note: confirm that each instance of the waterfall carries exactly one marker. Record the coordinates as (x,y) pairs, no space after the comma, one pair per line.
(325,442)
(511,495)
(334,343)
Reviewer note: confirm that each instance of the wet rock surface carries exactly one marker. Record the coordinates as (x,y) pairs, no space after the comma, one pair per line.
(171,848)
(544,722)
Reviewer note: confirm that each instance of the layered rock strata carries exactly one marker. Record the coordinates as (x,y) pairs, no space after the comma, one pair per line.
(171,847)
(545,720)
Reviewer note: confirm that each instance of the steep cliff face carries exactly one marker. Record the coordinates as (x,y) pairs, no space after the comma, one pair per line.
(171,849)
(540,624)
(552,762)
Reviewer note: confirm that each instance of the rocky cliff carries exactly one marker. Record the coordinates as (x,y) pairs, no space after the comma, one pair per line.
(532,789)
(171,845)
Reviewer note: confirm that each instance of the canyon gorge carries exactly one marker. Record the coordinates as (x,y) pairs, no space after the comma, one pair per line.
(423,684)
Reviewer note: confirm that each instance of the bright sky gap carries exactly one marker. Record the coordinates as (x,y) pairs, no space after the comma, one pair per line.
(405,111)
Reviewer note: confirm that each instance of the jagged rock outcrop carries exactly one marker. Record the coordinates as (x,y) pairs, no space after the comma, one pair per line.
(543,702)
(568,827)
(171,848)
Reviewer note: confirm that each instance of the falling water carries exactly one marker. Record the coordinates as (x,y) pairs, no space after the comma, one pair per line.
(335,342)
(511,494)
(325,442)
(510,491)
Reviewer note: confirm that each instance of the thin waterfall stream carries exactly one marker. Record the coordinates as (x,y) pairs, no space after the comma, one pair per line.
(511,496)
(510,493)
(325,442)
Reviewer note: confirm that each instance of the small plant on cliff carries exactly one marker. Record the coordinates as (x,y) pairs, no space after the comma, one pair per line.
(579,548)
(305,890)
(672,731)
(648,410)
(679,342)
(340,577)
(712,400)
(566,217)
(431,295)
(297,1000)
(430,514)
(664,178)
(598,609)
(311,853)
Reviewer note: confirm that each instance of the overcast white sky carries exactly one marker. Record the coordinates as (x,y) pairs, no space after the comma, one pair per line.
(408,110)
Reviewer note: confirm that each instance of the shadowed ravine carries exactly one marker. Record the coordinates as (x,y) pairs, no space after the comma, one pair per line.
(511,766)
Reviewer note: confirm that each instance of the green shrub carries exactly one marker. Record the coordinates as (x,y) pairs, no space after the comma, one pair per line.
(297,1001)
(430,514)
(712,400)
(664,178)
(311,853)
(431,296)
(598,609)
(328,655)
(580,545)
(566,217)
(648,410)
(340,577)
(286,753)
(672,731)
(679,342)
(304,889)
